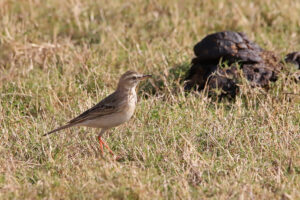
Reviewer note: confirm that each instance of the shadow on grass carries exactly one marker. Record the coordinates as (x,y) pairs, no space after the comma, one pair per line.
(165,82)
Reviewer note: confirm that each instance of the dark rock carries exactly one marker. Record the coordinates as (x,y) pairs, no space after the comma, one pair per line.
(198,75)
(231,46)
(223,82)
(293,58)
(262,73)
(258,66)
(259,75)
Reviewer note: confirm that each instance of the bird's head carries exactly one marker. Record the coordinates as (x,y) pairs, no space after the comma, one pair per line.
(130,79)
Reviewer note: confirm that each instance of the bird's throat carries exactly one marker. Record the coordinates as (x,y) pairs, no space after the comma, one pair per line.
(126,88)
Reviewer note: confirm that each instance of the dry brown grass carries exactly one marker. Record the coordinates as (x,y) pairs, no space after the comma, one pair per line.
(57,58)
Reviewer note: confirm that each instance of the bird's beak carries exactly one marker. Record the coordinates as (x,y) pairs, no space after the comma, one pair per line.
(143,77)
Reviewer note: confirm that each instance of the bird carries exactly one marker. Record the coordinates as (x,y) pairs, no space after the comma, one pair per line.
(112,111)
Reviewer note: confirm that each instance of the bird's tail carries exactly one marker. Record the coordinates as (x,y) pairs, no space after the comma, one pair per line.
(59,128)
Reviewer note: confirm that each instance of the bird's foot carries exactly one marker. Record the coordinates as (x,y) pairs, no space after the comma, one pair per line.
(101,142)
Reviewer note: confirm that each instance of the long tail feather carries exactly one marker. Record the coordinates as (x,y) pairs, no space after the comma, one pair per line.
(59,128)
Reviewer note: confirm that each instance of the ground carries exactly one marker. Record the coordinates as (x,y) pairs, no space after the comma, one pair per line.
(58,58)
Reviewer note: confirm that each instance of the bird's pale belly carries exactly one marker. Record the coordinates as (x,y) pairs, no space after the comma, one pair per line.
(109,121)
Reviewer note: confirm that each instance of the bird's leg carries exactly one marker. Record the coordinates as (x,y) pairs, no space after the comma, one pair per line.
(101,142)
(105,145)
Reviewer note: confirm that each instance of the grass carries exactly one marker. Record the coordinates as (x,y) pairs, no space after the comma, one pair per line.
(58,58)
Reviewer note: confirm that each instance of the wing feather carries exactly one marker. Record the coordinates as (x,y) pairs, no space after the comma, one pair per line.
(110,104)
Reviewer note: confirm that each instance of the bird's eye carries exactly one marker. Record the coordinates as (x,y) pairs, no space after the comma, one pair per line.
(134,78)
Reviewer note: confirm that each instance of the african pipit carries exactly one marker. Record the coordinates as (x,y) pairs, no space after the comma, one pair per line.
(112,111)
